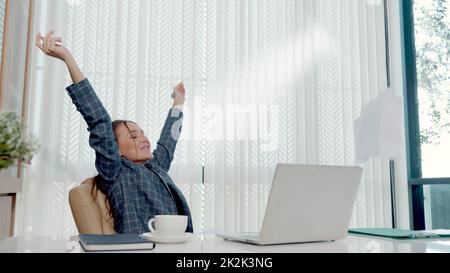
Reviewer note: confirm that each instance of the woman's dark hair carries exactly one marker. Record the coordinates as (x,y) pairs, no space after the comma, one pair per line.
(115,124)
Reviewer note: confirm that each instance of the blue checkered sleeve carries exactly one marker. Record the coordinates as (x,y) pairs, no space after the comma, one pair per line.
(101,138)
(165,148)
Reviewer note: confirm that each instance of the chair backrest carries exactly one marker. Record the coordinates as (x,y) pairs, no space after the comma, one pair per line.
(91,214)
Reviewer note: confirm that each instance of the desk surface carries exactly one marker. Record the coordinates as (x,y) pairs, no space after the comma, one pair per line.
(209,243)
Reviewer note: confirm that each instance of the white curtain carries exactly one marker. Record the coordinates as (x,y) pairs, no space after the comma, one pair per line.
(268,81)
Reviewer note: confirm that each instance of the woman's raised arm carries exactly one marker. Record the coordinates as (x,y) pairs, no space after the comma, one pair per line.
(165,148)
(101,138)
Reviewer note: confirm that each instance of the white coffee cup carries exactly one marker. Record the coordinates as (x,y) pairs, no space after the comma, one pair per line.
(168,225)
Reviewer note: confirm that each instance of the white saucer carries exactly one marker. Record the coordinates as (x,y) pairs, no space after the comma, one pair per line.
(168,239)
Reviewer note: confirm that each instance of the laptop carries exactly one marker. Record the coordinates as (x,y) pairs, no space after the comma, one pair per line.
(306,204)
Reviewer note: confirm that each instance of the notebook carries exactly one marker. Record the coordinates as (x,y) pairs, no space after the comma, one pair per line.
(401,233)
(117,242)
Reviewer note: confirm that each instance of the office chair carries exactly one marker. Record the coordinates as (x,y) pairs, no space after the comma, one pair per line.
(91,215)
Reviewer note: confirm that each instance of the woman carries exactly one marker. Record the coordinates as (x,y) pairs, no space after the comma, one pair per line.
(134,179)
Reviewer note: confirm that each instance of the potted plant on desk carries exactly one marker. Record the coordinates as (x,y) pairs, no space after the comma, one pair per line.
(16,148)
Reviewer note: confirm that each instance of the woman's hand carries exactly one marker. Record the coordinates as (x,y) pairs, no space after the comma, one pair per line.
(52,46)
(179,94)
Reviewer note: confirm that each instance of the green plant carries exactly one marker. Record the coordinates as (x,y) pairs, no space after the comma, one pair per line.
(15,144)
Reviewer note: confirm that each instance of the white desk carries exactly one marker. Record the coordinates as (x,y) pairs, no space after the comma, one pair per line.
(211,244)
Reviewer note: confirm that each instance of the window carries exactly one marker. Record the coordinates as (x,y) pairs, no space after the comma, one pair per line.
(427,49)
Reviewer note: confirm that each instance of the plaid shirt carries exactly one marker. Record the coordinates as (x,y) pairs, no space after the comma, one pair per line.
(136,192)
